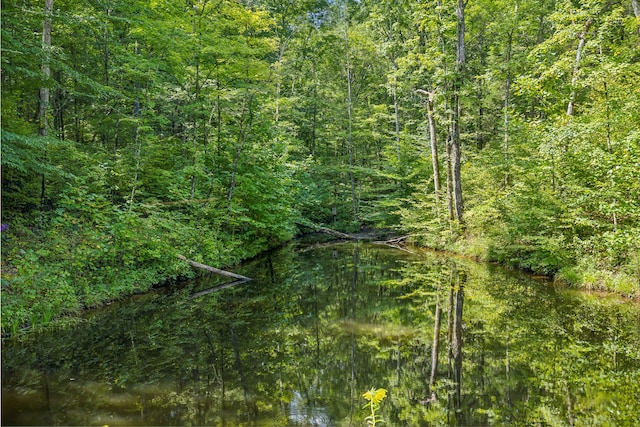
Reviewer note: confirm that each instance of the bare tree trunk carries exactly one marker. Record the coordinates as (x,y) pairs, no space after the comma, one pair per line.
(218,127)
(105,58)
(396,117)
(434,146)
(507,93)
(450,127)
(137,170)
(350,126)
(609,148)
(449,177)
(636,10)
(457,112)
(314,114)
(43,106)
(195,129)
(576,66)
(281,48)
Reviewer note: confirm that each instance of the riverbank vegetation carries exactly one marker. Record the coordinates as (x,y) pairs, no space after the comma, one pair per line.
(136,131)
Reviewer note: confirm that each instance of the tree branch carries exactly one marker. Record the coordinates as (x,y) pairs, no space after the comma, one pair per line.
(213,269)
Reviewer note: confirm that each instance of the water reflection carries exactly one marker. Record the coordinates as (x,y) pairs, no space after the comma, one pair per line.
(454,342)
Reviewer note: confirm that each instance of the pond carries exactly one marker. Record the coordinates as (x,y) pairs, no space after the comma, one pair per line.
(452,341)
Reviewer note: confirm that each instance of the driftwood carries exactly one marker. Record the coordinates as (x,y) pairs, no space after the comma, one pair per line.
(218,288)
(213,269)
(397,242)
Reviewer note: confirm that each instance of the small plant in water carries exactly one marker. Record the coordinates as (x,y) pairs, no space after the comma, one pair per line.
(374,396)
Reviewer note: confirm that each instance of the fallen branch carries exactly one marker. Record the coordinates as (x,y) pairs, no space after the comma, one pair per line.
(213,269)
(398,240)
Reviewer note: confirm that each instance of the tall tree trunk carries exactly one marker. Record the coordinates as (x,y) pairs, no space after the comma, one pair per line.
(105,58)
(507,93)
(281,48)
(396,116)
(218,127)
(59,102)
(134,187)
(195,131)
(434,146)
(314,117)
(350,125)
(576,66)
(43,106)
(636,10)
(448,145)
(449,182)
(456,151)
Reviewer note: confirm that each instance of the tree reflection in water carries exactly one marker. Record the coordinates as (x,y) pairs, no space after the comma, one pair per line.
(316,328)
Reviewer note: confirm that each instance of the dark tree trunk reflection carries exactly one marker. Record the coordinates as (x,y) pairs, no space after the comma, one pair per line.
(457,345)
(456,302)
(435,347)
(251,406)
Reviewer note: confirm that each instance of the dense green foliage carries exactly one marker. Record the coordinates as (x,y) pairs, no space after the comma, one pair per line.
(211,129)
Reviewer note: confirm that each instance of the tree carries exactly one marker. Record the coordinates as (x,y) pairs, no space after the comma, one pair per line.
(456,146)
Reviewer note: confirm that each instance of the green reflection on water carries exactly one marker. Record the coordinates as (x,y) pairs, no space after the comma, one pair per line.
(316,328)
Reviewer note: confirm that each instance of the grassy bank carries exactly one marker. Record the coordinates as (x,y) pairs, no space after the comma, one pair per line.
(618,273)
(84,257)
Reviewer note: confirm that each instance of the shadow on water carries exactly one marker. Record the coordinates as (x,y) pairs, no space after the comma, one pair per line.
(454,343)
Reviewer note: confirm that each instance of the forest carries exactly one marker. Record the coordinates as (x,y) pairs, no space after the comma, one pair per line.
(135,131)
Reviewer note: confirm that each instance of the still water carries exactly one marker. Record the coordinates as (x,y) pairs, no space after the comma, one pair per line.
(453,342)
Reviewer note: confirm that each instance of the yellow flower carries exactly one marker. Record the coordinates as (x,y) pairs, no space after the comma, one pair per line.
(376,396)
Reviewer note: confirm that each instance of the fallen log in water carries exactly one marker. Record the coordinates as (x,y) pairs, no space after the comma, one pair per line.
(398,240)
(213,269)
